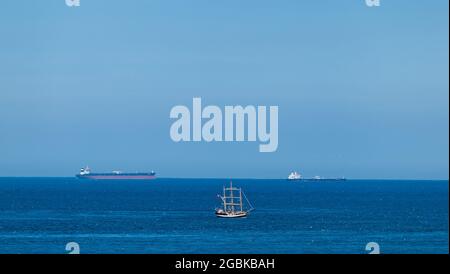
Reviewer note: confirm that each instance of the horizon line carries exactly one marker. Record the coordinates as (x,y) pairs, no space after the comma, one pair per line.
(254,178)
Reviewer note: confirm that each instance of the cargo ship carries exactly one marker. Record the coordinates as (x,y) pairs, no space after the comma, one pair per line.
(85,173)
(295,176)
(321,179)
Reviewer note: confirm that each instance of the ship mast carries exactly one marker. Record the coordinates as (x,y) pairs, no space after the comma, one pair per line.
(228,199)
(224,199)
(240,198)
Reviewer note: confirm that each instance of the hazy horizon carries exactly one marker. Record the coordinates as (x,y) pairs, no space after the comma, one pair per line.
(236,179)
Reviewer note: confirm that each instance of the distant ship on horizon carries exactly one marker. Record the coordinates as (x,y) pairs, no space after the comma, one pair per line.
(85,173)
(295,176)
(318,178)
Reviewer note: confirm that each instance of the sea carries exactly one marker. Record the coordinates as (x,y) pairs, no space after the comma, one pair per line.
(43,215)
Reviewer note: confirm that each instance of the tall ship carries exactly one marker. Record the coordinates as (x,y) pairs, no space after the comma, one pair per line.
(232,203)
(85,173)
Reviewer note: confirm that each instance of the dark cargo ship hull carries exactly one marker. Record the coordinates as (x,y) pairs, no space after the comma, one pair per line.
(124,176)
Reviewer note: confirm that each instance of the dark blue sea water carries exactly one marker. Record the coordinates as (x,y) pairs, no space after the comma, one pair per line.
(41,215)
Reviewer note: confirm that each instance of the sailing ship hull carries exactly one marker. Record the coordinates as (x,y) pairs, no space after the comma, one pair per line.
(235,215)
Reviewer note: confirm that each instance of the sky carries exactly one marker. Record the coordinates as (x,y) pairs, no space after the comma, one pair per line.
(362,92)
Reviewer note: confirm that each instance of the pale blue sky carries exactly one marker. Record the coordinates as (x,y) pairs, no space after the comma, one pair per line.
(362,92)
